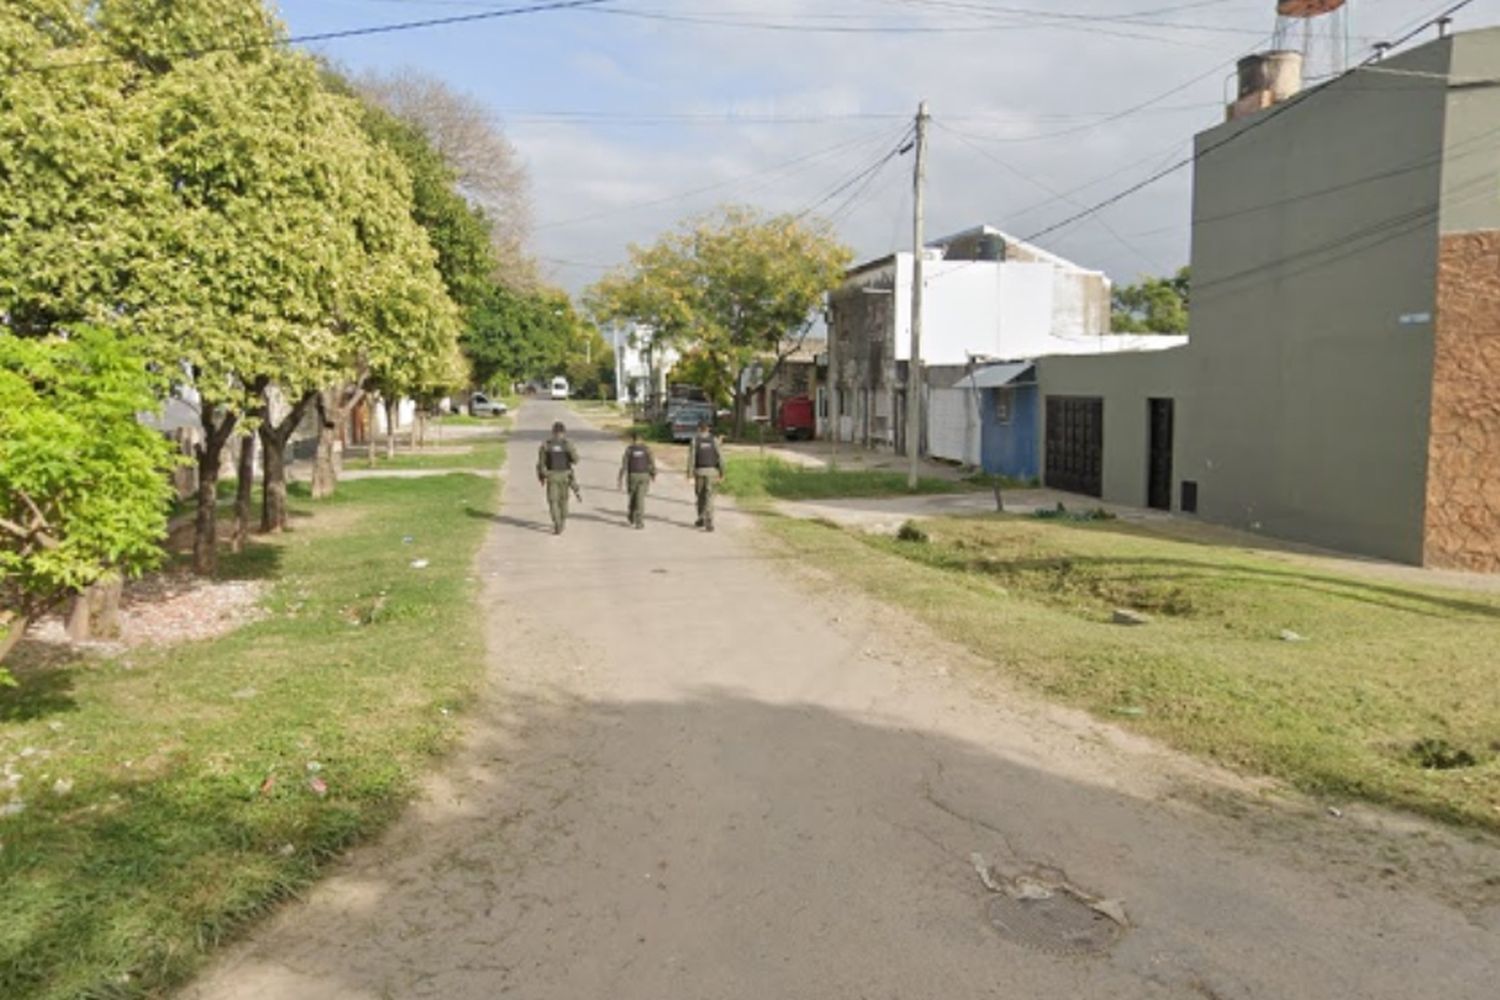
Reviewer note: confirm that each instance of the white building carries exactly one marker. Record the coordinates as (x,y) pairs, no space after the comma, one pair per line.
(641,365)
(987,296)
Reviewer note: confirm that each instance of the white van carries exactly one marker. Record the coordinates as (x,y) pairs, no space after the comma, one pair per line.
(559,388)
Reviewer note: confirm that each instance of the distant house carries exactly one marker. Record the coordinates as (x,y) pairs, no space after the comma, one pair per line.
(1342,384)
(770,386)
(987,297)
(641,365)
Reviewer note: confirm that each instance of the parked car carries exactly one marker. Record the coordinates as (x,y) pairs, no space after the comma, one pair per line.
(684,417)
(559,388)
(796,419)
(481,405)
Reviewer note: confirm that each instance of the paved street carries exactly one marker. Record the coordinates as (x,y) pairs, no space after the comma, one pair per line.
(698,771)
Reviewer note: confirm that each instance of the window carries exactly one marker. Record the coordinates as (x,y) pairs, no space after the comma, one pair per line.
(822,403)
(1005,404)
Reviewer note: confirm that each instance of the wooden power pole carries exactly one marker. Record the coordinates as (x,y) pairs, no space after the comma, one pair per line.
(914,375)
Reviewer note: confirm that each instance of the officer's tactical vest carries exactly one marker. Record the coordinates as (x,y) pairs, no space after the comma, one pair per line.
(557,457)
(707,456)
(639,459)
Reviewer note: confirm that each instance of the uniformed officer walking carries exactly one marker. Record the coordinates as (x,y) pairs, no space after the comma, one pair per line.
(706,468)
(555,461)
(638,470)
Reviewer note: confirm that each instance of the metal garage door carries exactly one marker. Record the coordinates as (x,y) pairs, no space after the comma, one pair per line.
(1075,444)
(953,426)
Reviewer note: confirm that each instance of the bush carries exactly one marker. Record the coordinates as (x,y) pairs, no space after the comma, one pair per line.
(83,484)
(911,532)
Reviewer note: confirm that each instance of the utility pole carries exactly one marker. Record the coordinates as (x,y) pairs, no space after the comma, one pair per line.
(914,377)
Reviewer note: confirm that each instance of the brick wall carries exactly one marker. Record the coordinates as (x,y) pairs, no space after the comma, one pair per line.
(1462,528)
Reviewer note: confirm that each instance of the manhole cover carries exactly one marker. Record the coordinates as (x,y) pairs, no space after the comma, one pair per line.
(1060,923)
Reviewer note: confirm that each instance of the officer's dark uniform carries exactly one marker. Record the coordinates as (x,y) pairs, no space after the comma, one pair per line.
(638,469)
(555,460)
(706,467)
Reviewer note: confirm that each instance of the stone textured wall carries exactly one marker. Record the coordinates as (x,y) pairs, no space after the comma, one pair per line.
(1462,528)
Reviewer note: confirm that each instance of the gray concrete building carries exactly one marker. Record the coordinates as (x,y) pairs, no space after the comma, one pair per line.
(1341,385)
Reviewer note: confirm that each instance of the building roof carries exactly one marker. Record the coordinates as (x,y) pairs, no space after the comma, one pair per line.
(941,244)
(1010,241)
(997,376)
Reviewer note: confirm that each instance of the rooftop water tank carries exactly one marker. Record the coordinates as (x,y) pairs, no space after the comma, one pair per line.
(1307,8)
(1266,78)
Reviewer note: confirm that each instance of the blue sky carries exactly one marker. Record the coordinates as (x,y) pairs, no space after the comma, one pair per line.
(621,113)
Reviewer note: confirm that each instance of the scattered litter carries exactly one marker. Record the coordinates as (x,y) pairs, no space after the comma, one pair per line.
(985,875)
(419,564)
(1134,711)
(1114,909)
(14,807)
(28,751)
(269,785)
(244,694)
(313,767)
(55,726)
(62,786)
(319,786)
(1335,812)
(407,539)
(1029,888)
(1125,616)
(1287,635)
(286,850)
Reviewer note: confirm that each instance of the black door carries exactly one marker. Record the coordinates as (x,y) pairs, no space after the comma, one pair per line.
(1159,469)
(1075,444)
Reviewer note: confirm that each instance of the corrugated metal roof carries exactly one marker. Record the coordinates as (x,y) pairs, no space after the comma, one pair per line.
(995,376)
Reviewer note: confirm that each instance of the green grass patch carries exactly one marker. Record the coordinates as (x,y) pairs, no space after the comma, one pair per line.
(480,453)
(186,806)
(466,420)
(755,478)
(1343,685)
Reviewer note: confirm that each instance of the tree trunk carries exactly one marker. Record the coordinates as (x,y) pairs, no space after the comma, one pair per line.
(206,527)
(392,408)
(11,631)
(244,488)
(79,617)
(273,483)
(325,463)
(274,438)
(739,412)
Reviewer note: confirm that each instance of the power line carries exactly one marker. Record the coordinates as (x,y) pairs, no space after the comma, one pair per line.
(717,185)
(1035,182)
(325,36)
(867,172)
(1266,118)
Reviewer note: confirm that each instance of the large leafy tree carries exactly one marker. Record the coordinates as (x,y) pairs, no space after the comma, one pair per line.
(83,484)
(523,335)
(468,140)
(1154,305)
(238,215)
(738,287)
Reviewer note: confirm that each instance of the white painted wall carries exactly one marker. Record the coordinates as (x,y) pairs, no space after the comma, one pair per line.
(406,415)
(1000,309)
